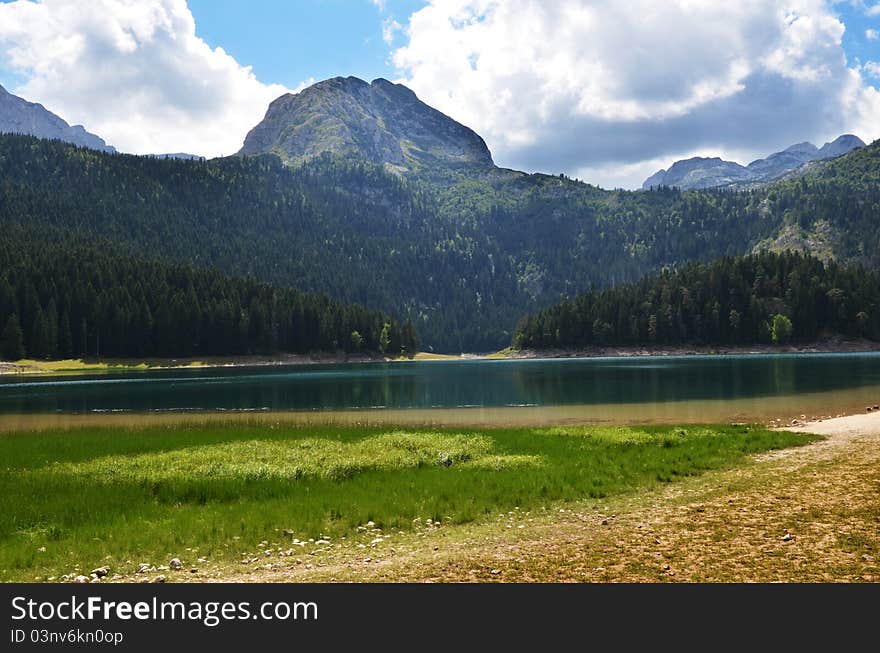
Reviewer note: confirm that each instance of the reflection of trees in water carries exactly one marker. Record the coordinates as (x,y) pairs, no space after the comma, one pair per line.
(448,385)
(784,376)
(628,381)
(596,382)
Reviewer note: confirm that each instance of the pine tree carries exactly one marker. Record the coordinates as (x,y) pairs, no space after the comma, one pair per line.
(39,341)
(12,340)
(65,339)
(409,339)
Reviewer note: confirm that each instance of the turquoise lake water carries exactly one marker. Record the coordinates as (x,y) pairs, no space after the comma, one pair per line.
(791,381)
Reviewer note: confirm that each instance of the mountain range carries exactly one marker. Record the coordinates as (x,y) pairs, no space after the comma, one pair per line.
(18,116)
(714,172)
(362,192)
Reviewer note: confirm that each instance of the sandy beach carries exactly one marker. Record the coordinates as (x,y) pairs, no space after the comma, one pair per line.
(841,429)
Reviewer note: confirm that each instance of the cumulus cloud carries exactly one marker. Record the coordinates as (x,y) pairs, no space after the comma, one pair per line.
(872,35)
(873,10)
(584,87)
(134,72)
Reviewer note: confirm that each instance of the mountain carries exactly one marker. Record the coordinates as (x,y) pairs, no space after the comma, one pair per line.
(457,246)
(381,122)
(18,116)
(700,172)
(840,146)
(463,260)
(779,163)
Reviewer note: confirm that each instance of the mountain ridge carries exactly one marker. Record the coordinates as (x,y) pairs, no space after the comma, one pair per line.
(18,116)
(699,173)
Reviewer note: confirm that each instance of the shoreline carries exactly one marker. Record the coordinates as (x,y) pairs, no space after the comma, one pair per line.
(857,346)
(840,427)
(111,365)
(121,365)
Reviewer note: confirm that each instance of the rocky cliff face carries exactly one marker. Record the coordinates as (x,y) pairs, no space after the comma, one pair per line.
(700,172)
(380,122)
(18,116)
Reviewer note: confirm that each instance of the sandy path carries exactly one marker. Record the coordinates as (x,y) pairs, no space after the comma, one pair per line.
(841,429)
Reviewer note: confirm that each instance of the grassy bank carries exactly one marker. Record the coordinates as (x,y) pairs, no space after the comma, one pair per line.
(74,500)
(75,366)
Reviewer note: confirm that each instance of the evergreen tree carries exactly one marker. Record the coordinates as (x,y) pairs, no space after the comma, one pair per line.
(65,339)
(763,298)
(39,346)
(12,340)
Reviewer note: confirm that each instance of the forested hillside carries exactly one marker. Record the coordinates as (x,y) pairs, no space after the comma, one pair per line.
(64,300)
(736,300)
(461,251)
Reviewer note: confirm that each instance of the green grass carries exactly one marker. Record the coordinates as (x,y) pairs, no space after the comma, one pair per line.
(92,496)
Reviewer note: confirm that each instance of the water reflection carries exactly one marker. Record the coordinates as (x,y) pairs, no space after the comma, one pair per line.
(630,382)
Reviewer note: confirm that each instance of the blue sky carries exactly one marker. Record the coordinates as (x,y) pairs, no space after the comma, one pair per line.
(289,42)
(855,43)
(603,90)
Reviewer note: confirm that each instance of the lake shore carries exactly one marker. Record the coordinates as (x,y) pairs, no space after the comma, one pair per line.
(832,346)
(95,365)
(109,365)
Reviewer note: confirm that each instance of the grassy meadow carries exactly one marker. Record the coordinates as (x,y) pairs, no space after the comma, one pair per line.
(80,498)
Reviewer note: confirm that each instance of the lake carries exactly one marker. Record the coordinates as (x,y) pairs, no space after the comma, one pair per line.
(634,389)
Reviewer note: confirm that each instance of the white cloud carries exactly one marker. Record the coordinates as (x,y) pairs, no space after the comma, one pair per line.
(390,28)
(134,72)
(872,35)
(874,10)
(872,69)
(574,86)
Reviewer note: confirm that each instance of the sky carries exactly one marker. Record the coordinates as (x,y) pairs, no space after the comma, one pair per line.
(602,90)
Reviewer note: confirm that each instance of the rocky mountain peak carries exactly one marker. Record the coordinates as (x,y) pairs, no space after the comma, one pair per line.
(381,122)
(840,145)
(801,148)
